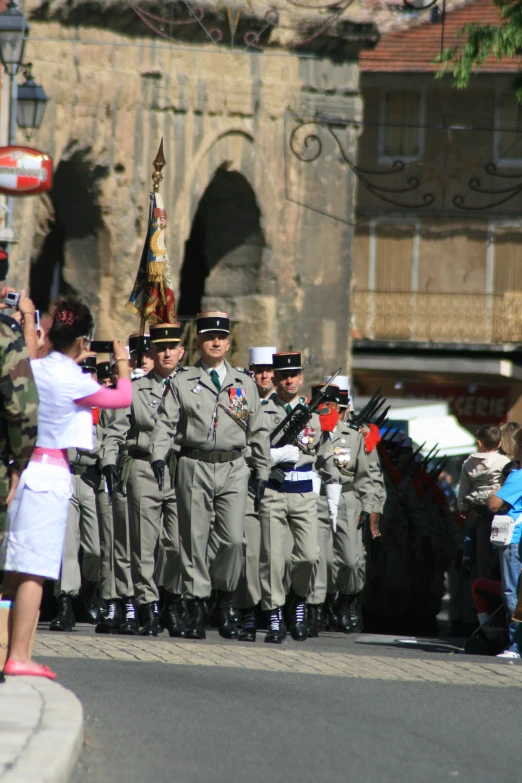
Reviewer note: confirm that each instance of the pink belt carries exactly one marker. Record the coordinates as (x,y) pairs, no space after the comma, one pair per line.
(57,457)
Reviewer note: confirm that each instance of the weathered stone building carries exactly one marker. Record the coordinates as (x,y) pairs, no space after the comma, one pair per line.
(252,226)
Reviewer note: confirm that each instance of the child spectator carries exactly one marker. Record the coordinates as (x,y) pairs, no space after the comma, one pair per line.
(508,500)
(480,476)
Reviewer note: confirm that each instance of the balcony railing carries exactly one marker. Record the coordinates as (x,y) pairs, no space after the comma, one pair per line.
(449,318)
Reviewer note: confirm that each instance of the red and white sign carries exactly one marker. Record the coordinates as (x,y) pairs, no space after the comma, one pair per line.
(482,405)
(24,171)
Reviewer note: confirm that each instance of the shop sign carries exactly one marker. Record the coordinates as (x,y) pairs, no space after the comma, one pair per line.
(24,171)
(482,405)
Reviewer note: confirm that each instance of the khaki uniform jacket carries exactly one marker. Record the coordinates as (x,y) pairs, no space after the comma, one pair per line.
(131,428)
(190,416)
(314,445)
(379,490)
(351,460)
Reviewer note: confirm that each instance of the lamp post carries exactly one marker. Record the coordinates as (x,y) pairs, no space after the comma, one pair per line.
(31,104)
(14,30)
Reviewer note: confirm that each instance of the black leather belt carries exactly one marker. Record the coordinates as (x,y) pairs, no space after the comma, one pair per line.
(211,456)
(137,454)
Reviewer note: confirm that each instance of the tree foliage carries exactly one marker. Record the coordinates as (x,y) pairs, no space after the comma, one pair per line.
(483,41)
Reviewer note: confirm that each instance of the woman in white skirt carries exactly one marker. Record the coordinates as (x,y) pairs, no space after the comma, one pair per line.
(32,548)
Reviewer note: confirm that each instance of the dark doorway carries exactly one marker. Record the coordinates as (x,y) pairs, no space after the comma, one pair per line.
(77,214)
(227,231)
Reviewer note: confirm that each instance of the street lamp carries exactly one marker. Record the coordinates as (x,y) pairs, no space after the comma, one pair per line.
(32,101)
(13,32)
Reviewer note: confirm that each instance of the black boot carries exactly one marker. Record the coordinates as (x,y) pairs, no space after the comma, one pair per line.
(149,619)
(342,613)
(171,617)
(320,618)
(248,628)
(276,627)
(355,614)
(226,610)
(129,626)
(91,602)
(111,620)
(331,623)
(184,609)
(313,620)
(65,620)
(198,620)
(234,615)
(299,622)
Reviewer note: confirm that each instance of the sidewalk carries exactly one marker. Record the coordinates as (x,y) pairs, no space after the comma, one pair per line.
(41,731)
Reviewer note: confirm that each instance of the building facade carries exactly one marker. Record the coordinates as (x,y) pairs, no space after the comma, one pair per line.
(438,241)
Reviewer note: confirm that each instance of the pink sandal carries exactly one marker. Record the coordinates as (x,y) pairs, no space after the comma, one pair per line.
(28,669)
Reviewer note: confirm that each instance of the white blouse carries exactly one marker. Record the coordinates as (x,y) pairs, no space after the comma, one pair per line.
(61,423)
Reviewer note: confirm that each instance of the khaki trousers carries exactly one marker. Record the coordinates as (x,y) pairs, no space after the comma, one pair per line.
(341,566)
(104,511)
(349,555)
(81,532)
(152,515)
(322,581)
(203,490)
(122,551)
(280,511)
(249,586)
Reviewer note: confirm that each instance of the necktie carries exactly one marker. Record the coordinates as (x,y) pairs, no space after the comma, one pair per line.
(214,377)
(288,408)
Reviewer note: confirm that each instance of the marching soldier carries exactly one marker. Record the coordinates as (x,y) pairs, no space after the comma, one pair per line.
(147,362)
(152,516)
(82,531)
(291,503)
(260,363)
(341,565)
(212,412)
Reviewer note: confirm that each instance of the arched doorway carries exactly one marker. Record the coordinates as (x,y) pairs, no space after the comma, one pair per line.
(224,251)
(70,233)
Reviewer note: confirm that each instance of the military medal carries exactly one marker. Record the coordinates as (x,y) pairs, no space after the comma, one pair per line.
(238,402)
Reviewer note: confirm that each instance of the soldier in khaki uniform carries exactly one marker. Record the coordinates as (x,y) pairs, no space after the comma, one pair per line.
(249,587)
(82,532)
(152,514)
(213,412)
(341,564)
(291,503)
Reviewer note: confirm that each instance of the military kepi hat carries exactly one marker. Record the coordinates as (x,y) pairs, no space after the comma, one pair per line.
(103,370)
(88,364)
(134,342)
(343,382)
(332,393)
(213,321)
(261,356)
(165,333)
(289,360)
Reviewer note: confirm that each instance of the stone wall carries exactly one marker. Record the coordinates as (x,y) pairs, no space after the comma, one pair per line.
(263,239)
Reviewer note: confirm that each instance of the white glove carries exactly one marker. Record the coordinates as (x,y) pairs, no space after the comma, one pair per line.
(284,454)
(333,494)
(137,373)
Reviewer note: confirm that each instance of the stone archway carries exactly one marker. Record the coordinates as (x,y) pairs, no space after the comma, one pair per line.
(71,228)
(224,252)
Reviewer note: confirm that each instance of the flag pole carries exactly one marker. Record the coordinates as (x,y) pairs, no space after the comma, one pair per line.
(157,176)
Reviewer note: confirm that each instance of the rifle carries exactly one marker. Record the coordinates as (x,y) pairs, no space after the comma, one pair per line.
(375,402)
(412,460)
(287,431)
(382,418)
(437,469)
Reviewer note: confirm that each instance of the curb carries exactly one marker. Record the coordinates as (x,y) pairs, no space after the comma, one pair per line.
(41,731)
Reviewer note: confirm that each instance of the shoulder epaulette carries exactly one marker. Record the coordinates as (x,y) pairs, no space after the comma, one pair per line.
(245,371)
(8,321)
(180,369)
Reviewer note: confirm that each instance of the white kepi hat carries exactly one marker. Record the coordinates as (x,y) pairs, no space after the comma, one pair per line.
(261,355)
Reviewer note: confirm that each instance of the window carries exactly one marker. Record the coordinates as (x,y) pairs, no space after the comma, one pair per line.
(401,133)
(393,257)
(509,129)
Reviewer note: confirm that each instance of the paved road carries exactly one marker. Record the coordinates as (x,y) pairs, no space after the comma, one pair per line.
(330,709)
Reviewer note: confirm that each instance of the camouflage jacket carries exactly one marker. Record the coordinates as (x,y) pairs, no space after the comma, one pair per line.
(18,403)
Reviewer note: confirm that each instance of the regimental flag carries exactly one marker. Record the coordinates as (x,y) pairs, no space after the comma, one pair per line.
(152,296)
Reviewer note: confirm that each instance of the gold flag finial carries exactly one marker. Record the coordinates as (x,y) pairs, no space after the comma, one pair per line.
(159,162)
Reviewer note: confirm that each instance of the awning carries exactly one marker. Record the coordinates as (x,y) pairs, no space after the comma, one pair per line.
(453,440)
